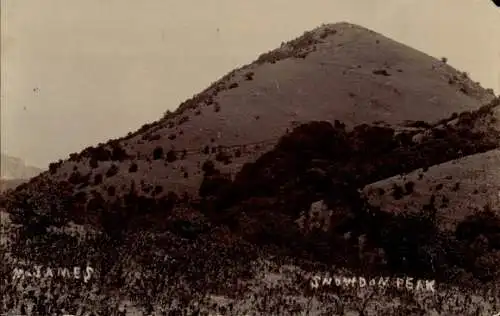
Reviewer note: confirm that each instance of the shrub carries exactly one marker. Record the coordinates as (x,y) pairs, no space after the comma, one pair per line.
(75,177)
(167,114)
(397,192)
(100,153)
(444,59)
(183,119)
(93,163)
(217,107)
(172,136)
(158,153)
(113,170)
(73,157)
(208,167)
(133,167)
(233,85)
(98,179)
(249,75)
(171,156)
(382,72)
(157,190)
(54,166)
(111,190)
(409,187)
(183,154)
(223,157)
(118,153)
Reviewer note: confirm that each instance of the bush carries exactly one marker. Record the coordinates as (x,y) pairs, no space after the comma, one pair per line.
(206,150)
(93,163)
(113,170)
(99,153)
(118,153)
(158,153)
(223,157)
(171,156)
(249,75)
(133,167)
(111,190)
(183,120)
(158,189)
(75,178)
(98,179)
(382,72)
(208,167)
(54,166)
(397,192)
(409,187)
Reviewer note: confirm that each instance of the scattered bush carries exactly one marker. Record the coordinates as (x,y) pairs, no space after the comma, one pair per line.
(118,153)
(75,178)
(382,72)
(73,157)
(98,179)
(171,155)
(397,192)
(183,119)
(223,157)
(54,166)
(158,153)
(157,190)
(208,167)
(409,187)
(93,163)
(133,167)
(112,171)
(111,190)
(249,75)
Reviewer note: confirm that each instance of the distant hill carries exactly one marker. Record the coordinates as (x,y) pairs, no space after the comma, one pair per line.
(15,168)
(14,172)
(325,151)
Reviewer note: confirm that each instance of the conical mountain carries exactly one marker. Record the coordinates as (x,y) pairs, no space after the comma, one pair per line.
(338,72)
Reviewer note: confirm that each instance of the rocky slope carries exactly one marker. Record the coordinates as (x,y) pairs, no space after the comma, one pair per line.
(341,122)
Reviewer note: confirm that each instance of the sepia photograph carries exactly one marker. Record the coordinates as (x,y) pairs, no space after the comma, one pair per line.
(247,158)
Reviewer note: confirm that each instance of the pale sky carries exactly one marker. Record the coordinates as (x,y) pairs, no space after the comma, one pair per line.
(78,72)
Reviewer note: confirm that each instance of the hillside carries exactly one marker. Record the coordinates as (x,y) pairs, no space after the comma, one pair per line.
(331,121)
(336,72)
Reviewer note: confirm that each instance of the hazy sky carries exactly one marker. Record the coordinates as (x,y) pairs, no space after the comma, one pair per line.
(78,72)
